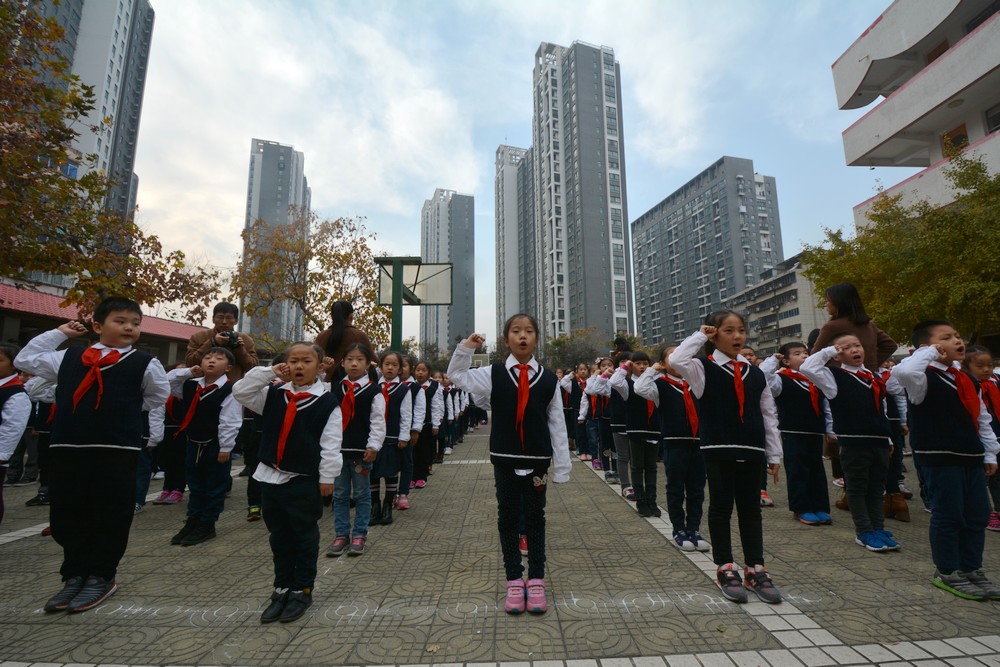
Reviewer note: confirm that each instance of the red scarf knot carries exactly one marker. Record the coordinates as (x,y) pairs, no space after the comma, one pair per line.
(967,394)
(813,389)
(347,404)
(92,359)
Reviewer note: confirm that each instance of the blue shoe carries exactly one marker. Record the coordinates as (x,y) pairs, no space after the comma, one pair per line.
(871,540)
(824,518)
(808,518)
(886,536)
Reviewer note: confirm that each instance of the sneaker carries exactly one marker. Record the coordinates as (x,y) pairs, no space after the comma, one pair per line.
(522,545)
(728,578)
(159,474)
(253,513)
(174,498)
(759,581)
(95,590)
(403,502)
(514,603)
(907,494)
(597,465)
(536,602)
(699,542)
(765,500)
(808,518)
(357,547)
(296,605)
(628,493)
(958,584)
(138,508)
(47,531)
(60,601)
(683,542)
(274,609)
(654,509)
(610,476)
(420,483)
(189,525)
(993,525)
(886,536)
(824,518)
(989,590)
(447,452)
(413,485)
(839,481)
(338,546)
(163,498)
(871,540)
(43,499)
(201,532)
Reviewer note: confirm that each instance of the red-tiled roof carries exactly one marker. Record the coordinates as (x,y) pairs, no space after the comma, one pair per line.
(47,305)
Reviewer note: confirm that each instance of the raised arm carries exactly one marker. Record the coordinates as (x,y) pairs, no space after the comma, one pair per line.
(911,372)
(770,368)
(645,386)
(477,380)
(251,391)
(683,360)
(814,368)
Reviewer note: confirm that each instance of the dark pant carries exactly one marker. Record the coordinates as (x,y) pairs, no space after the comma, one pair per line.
(807,487)
(865,467)
(17,467)
(292,512)
(423,453)
(643,454)
(729,483)
(44,438)
(3,478)
(894,476)
(609,461)
(251,457)
(92,495)
(961,510)
(406,469)
(143,470)
(207,479)
(622,450)
(173,450)
(685,470)
(514,492)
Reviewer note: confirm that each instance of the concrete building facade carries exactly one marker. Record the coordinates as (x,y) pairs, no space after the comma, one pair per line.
(508,159)
(707,241)
(447,234)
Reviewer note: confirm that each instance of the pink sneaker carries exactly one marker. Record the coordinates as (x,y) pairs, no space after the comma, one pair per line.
(994,523)
(413,485)
(162,498)
(174,498)
(420,484)
(402,502)
(597,465)
(514,604)
(537,603)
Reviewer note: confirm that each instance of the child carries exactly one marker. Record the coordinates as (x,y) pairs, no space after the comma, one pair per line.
(616,412)
(43,395)
(573,384)
(363,409)
(857,402)
(954,446)
(423,452)
(527,434)
(683,462)
(15,410)
(299,460)
(643,429)
(417,405)
(211,419)
(398,418)
(738,430)
(171,453)
(598,406)
(101,393)
(978,363)
(896,494)
(444,438)
(802,420)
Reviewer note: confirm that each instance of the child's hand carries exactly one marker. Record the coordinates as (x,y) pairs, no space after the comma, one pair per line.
(402,444)
(370,455)
(72,329)
(779,357)
(940,350)
(991,469)
(657,367)
(709,331)
(434,431)
(626,365)
(474,341)
(326,490)
(774,468)
(197,372)
(283,372)
(414,436)
(224,457)
(327,364)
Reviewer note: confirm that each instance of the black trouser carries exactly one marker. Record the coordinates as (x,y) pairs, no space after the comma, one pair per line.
(171,460)
(865,467)
(623,454)
(807,487)
(512,491)
(570,416)
(292,512)
(894,477)
(17,467)
(642,459)
(606,445)
(423,454)
(92,495)
(251,457)
(207,479)
(685,469)
(44,438)
(729,483)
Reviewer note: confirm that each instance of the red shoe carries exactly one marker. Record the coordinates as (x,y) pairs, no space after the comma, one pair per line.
(522,544)
(402,502)
(47,531)
(420,484)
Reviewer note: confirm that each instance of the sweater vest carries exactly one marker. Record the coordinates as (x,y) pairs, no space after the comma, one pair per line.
(891,409)
(795,409)
(428,398)
(942,432)
(356,434)
(6,393)
(723,436)
(447,394)
(506,448)
(674,426)
(302,446)
(42,417)
(994,410)
(204,425)
(599,406)
(856,418)
(616,408)
(394,411)
(575,396)
(117,421)
(639,423)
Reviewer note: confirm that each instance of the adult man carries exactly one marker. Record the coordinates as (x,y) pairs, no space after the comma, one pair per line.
(224,334)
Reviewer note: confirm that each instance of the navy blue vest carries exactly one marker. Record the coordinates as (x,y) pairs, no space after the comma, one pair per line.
(575,396)
(674,426)
(428,398)
(795,408)
(638,422)
(302,447)
(447,394)
(117,422)
(599,406)
(40,417)
(856,420)
(723,436)
(204,425)
(942,432)
(394,411)
(506,448)
(356,433)
(617,412)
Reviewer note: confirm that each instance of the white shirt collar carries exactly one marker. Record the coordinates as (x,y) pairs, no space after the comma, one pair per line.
(852,369)
(944,367)
(219,382)
(722,358)
(674,377)
(362,381)
(512,362)
(394,380)
(101,346)
(317,388)
(7,379)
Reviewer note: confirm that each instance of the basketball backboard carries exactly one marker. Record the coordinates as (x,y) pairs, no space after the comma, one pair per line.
(423,284)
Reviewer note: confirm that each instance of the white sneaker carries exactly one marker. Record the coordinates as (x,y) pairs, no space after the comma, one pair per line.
(447,451)
(158,474)
(138,508)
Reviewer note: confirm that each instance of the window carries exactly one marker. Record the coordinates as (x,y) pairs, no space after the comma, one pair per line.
(993,119)
(956,138)
(937,52)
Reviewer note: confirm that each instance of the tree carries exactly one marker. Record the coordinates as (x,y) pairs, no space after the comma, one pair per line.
(567,350)
(920,261)
(311,262)
(52,215)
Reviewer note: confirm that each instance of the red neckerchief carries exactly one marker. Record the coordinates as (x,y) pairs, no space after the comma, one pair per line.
(689,409)
(523,391)
(291,409)
(200,390)
(737,380)
(92,359)
(813,389)
(877,385)
(347,404)
(13,382)
(967,393)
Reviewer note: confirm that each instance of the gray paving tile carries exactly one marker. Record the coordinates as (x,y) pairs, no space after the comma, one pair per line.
(814,657)
(968,646)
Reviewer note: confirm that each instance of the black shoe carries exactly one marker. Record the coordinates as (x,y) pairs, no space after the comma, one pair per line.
(273,611)
(653,508)
(387,512)
(246,472)
(189,525)
(376,516)
(60,601)
(439,458)
(41,499)
(327,501)
(95,590)
(298,602)
(201,532)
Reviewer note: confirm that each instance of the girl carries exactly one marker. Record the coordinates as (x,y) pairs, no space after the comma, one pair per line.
(738,430)
(527,435)
(642,425)
(171,454)
(978,363)
(573,384)
(15,410)
(299,460)
(398,415)
(599,407)
(416,423)
(423,453)
(802,420)
(363,408)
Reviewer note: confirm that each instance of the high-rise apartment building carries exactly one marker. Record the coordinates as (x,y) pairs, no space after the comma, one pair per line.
(515,234)
(276,182)
(936,66)
(578,163)
(707,241)
(447,234)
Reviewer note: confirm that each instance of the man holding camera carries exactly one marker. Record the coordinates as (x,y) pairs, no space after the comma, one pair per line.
(224,334)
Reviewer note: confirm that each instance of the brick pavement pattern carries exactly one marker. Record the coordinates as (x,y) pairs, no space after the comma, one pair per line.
(430,589)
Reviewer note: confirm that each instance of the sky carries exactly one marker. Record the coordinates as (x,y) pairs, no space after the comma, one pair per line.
(390,100)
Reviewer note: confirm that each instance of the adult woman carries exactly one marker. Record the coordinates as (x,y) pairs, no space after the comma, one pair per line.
(341,334)
(847,315)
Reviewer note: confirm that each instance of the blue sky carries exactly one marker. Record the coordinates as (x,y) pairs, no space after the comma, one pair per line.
(390,100)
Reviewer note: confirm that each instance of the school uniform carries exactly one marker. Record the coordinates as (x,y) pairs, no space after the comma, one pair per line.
(423,453)
(990,390)
(597,406)
(363,411)
(399,417)
(895,412)
(642,426)
(418,407)
(43,396)
(173,447)
(616,420)
(15,412)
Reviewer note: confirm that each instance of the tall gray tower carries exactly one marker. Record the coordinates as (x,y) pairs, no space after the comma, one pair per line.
(447,234)
(508,233)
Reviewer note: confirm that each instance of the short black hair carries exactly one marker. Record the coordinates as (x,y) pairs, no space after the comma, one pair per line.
(666,348)
(530,318)
(114,304)
(316,349)
(970,352)
(842,334)
(639,355)
(227,353)
(9,350)
(226,308)
(788,347)
(922,332)
(812,338)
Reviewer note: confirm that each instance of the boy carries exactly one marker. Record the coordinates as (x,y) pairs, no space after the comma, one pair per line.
(211,420)
(857,402)
(955,449)
(15,409)
(101,393)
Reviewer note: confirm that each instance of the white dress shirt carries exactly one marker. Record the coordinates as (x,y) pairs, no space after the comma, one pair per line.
(230,415)
(16,412)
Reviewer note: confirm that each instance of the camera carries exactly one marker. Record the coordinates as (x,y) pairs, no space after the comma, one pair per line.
(233,338)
